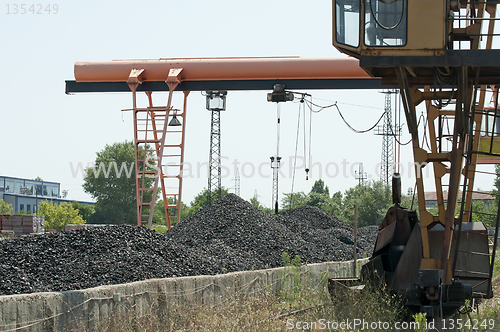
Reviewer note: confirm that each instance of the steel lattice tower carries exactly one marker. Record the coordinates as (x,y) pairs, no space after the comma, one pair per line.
(237,182)
(214,159)
(387,131)
(216,102)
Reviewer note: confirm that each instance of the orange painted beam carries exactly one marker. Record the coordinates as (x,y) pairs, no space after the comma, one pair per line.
(207,69)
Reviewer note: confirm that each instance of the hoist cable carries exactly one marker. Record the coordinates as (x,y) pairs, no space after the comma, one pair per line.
(278,129)
(310,144)
(296,149)
(305,140)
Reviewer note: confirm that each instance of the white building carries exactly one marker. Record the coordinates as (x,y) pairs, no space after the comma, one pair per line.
(26,194)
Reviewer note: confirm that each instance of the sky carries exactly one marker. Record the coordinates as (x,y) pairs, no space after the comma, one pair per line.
(47,133)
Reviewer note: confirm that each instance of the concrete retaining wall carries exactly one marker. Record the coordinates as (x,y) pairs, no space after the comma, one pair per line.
(89,308)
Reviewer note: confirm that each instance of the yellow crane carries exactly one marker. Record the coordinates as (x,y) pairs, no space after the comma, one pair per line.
(439,53)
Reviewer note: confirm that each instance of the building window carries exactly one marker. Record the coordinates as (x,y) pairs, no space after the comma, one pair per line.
(54,191)
(31,186)
(21,207)
(45,193)
(9,186)
(17,186)
(34,208)
(28,208)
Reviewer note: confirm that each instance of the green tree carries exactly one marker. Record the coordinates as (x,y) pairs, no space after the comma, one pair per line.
(202,199)
(159,217)
(38,179)
(319,196)
(85,210)
(373,201)
(332,205)
(112,184)
(56,217)
(293,200)
(493,208)
(5,208)
(320,188)
(484,213)
(255,202)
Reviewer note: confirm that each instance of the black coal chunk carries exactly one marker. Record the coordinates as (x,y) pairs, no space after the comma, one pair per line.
(230,235)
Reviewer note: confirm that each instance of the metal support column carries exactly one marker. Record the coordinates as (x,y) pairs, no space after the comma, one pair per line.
(216,102)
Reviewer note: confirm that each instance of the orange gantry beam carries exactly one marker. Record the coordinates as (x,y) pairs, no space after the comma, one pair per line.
(136,75)
(208,69)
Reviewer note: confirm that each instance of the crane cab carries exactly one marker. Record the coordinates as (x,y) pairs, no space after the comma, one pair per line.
(390,27)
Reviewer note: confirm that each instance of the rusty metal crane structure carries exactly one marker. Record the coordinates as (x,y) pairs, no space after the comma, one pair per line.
(439,53)
(444,61)
(159,148)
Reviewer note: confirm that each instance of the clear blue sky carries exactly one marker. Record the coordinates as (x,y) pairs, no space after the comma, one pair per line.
(43,130)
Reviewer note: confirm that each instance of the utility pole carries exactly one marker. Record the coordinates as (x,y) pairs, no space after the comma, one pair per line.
(360,175)
(216,102)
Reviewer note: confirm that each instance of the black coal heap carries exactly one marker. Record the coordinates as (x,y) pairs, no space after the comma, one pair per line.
(230,235)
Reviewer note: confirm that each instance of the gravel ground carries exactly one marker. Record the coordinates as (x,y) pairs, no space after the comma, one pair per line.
(231,235)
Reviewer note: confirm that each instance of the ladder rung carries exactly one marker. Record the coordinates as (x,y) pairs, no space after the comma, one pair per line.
(148,141)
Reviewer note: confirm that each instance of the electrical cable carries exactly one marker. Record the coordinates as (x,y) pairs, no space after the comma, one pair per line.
(424,136)
(413,197)
(393,134)
(321,108)
(388,3)
(355,130)
(444,79)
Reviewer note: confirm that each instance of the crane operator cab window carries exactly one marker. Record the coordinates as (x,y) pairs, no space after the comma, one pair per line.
(347,20)
(385,22)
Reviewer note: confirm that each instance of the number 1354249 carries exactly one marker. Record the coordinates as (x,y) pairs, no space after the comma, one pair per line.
(36,9)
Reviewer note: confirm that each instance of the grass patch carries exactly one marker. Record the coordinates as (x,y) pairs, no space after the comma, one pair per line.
(302,303)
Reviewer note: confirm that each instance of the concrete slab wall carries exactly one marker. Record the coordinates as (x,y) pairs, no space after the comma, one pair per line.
(89,308)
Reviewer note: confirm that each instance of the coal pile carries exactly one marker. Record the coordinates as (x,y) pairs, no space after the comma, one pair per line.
(230,235)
